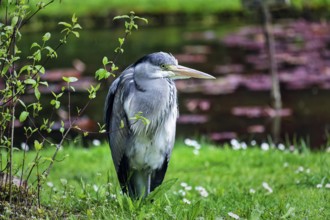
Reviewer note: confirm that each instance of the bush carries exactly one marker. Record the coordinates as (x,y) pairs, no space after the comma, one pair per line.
(21,181)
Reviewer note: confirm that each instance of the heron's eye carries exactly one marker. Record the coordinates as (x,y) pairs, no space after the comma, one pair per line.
(163,66)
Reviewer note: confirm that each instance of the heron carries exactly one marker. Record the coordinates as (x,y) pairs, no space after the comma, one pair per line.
(141,151)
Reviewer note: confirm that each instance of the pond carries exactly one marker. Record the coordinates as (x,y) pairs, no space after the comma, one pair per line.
(220,110)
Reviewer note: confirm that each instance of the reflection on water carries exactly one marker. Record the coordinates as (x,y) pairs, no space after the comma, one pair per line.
(222,109)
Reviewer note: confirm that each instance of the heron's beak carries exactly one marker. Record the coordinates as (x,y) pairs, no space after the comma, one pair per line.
(185,72)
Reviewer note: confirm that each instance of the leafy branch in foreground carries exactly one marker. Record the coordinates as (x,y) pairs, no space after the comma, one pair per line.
(18,80)
(109,66)
(22,76)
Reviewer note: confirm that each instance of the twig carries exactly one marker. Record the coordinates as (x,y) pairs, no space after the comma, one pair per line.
(50,166)
(39,9)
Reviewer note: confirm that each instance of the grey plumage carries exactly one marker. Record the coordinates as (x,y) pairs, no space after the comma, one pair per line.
(141,152)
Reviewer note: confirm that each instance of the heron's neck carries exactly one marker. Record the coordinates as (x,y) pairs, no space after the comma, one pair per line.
(153,85)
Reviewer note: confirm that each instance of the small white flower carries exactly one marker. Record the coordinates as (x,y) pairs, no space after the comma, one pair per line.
(192,143)
(267,187)
(202,191)
(186,201)
(243,145)
(327,186)
(64,181)
(96,188)
(25,147)
(281,146)
(253,143)
(265,146)
(235,144)
(183,184)
(319,186)
(188,188)
(233,215)
(252,191)
(286,164)
(182,192)
(113,196)
(50,184)
(308,171)
(204,194)
(96,142)
(300,169)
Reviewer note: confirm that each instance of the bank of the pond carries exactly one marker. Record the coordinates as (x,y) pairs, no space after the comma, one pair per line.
(98,7)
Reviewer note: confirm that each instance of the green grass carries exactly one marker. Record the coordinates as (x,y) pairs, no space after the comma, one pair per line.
(102,7)
(81,190)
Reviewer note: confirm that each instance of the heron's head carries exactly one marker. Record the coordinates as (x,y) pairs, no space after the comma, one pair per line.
(164,65)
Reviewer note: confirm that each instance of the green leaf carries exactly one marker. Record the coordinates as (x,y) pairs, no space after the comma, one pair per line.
(102,74)
(36,92)
(41,5)
(114,67)
(138,116)
(35,45)
(70,79)
(76,33)
(14,21)
(21,102)
(142,19)
(74,19)
(51,52)
(105,61)
(121,41)
(46,37)
(45,83)
(65,24)
(122,125)
(162,189)
(30,81)
(121,17)
(77,26)
(37,145)
(37,55)
(40,69)
(23,116)
(119,50)
(57,104)
(62,127)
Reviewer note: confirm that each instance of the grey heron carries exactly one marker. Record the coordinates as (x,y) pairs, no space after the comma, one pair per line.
(140,151)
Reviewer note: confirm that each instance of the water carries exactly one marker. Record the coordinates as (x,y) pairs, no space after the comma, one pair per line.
(202,114)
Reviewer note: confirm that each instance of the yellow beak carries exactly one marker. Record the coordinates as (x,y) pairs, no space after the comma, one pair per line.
(185,72)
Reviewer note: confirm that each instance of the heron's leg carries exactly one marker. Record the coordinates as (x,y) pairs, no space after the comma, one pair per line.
(149,183)
(140,184)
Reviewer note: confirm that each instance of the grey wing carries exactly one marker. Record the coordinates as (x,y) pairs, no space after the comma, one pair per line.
(117,124)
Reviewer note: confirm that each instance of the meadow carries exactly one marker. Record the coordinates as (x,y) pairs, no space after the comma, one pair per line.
(203,181)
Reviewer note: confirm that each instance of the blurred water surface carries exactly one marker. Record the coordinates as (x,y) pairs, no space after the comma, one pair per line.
(219,111)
